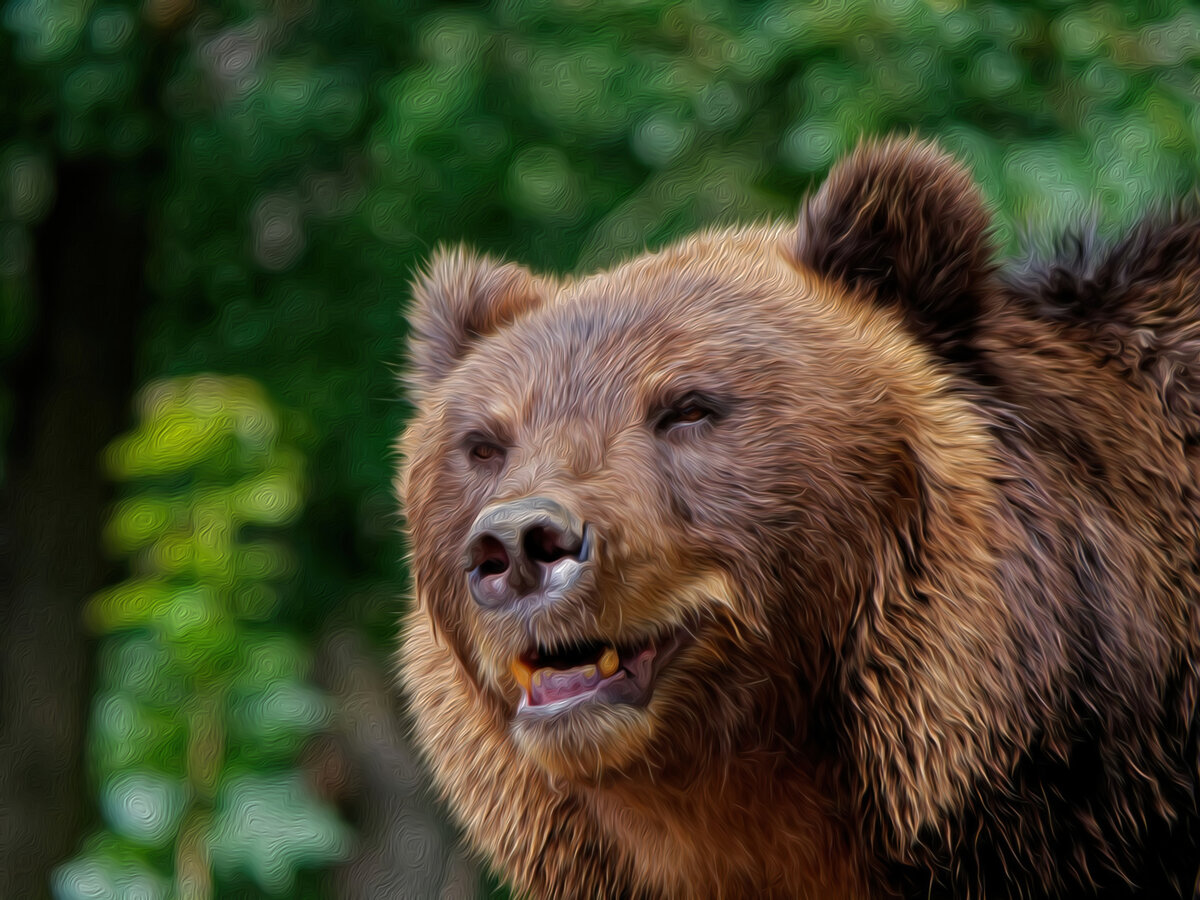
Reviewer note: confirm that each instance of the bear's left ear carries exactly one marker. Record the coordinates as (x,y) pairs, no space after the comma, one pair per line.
(905,222)
(459,299)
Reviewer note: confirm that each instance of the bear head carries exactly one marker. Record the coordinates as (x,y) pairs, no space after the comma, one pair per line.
(657,513)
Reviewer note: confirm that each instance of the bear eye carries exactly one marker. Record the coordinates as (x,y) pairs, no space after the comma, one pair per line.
(482,450)
(690,409)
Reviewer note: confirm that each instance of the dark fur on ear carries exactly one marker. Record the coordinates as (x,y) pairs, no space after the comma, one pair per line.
(904,221)
(460,298)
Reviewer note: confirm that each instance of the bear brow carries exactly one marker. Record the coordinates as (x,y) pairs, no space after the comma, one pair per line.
(664,391)
(489,422)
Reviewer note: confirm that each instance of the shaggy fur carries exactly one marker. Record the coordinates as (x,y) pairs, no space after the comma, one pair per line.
(935,536)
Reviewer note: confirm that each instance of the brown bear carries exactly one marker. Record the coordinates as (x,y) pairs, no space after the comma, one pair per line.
(819,560)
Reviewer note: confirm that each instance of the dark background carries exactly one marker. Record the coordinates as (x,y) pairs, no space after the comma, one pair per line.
(209,213)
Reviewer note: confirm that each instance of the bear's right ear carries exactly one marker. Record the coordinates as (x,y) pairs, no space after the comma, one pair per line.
(905,222)
(458,299)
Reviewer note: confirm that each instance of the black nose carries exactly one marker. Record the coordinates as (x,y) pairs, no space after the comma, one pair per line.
(524,548)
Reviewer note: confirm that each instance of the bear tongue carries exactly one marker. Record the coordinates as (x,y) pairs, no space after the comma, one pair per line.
(552,685)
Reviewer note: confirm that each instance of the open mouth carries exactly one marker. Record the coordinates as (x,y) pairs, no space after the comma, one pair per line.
(553,680)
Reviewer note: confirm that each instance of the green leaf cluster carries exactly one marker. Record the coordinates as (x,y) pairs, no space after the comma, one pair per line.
(203,701)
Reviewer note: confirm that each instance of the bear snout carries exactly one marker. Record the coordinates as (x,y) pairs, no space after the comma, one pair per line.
(531,550)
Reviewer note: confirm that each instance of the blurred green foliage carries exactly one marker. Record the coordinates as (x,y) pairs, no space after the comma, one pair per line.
(202,704)
(293,161)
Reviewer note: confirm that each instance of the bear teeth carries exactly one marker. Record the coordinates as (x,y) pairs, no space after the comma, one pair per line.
(527,674)
(609,661)
(522,672)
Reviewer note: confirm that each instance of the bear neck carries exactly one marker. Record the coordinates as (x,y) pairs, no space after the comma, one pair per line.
(797,836)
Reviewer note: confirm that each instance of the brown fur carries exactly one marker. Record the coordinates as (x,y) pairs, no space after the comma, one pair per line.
(938,548)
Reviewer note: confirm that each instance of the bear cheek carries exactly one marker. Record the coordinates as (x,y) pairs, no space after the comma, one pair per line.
(714,501)
(440,504)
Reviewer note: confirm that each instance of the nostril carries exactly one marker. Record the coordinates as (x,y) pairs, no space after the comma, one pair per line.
(547,545)
(490,557)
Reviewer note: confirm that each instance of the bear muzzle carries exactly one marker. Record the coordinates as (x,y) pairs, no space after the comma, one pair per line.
(527,552)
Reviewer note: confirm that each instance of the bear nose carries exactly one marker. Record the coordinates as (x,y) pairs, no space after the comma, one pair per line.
(524,548)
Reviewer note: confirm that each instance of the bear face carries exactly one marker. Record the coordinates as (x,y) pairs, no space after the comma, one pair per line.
(725,481)
(729,578)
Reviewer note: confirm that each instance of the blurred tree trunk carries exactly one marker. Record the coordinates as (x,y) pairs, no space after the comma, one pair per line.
(71,388)
(405,848)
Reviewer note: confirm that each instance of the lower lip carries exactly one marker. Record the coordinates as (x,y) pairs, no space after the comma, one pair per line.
(600,692)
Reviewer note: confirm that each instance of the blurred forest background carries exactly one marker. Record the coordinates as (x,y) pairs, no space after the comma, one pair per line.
(209,213)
